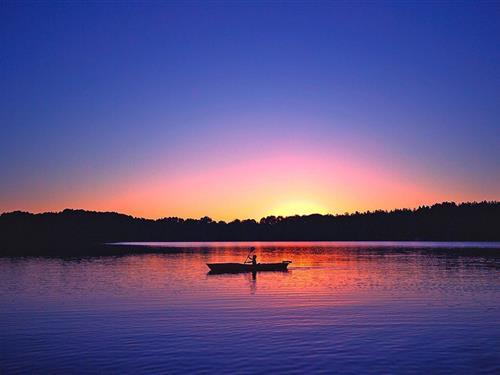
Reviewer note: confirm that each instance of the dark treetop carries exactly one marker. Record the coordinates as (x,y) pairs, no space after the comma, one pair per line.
(75,231)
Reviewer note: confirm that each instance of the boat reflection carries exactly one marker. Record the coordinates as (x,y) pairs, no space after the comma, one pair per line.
(250,277)
(253,273)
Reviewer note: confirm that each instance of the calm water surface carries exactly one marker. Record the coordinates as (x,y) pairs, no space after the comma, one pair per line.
(342,307)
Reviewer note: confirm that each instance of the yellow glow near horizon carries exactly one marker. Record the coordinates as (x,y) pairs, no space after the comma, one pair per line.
(286,184)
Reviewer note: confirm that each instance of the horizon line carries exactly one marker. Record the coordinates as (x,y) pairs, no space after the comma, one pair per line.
(457,203)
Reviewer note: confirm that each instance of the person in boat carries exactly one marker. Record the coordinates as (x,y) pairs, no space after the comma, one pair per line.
(254,260)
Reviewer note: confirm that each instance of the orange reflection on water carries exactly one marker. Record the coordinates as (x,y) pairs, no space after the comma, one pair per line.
(337,299)
(321,274)
(318,274)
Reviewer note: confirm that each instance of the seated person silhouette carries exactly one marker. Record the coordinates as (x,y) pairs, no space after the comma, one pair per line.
(254,260)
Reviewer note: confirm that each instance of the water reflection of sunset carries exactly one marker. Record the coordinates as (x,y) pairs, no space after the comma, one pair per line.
(319,274)
(335,296)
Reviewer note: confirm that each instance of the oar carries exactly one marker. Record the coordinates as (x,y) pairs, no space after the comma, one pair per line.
(248,256)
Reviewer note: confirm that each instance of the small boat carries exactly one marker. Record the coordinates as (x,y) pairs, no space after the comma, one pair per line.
(247,267)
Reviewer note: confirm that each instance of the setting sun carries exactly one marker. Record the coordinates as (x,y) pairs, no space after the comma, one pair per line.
(298,207)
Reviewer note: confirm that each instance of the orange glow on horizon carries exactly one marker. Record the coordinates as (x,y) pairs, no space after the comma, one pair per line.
(280,184)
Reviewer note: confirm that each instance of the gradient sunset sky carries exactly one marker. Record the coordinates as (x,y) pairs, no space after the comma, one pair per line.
(242,110)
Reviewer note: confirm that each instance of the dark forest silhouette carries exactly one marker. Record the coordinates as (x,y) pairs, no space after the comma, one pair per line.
(76,231)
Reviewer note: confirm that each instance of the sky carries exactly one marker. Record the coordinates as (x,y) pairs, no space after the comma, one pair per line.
(247,109)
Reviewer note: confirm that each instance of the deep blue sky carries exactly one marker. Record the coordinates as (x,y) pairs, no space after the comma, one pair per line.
(96,96)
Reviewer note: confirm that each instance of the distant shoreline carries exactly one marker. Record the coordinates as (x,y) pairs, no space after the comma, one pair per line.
(114,250)
(76,231)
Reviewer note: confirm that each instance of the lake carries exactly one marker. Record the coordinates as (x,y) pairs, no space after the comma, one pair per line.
(341,308)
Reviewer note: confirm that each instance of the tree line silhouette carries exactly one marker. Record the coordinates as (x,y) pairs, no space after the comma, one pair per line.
(76,231)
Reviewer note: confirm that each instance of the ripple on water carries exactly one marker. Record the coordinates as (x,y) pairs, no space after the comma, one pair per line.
(343,308)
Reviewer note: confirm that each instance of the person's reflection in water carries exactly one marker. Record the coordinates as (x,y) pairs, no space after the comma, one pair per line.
(253,283)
